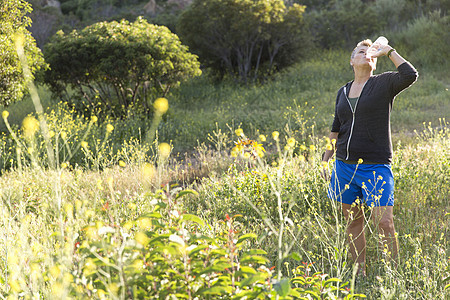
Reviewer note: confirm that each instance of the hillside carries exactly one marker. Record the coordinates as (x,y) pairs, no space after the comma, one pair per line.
(219,190)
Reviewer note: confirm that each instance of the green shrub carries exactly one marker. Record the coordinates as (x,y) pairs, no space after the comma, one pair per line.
(422,40)
(120,65)
(14,22)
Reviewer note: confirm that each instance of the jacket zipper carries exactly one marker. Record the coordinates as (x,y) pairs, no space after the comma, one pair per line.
(353,116)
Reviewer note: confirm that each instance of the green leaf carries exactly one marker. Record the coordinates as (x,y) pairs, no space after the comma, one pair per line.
(155,215)
(299,280)
(312,293)
(331,280)
(217,268)
(159,238)
(185,192)
(193,218)
(296,256)
(254,259)
(252,279)
(256,252)
(282,287)
(295,293)
(217,290)
(247,270)
(246,237)
(197,249)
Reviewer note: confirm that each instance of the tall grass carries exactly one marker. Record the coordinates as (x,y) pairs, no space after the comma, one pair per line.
(307,90)
(116,217)
(78,232)
(315,228)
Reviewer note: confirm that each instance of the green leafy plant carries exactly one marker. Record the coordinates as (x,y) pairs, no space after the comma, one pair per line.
(120,65)
(14,22)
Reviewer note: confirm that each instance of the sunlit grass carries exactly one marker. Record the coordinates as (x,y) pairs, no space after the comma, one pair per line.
(119,216)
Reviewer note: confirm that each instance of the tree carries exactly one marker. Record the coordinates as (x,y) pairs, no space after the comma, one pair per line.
(119,63)
(243,38)
(13,20)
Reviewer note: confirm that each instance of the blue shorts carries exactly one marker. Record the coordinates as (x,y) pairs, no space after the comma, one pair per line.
(371,183)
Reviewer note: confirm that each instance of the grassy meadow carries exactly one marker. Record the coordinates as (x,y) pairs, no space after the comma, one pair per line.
(91,209)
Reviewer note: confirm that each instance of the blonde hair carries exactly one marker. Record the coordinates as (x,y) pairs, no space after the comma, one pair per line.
(366,42)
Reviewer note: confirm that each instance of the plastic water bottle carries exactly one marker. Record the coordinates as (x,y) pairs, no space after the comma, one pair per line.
(376,46)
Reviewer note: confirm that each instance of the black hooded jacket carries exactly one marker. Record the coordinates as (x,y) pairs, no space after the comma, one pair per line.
(366,132)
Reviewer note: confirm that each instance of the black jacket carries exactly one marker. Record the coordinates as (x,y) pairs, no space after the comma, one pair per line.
(366,132)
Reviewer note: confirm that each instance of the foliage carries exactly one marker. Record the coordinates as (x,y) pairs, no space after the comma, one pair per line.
(85,10)
(315,226)
(83,234)
(164,253)
(244,38)
(422,37)
(119,64)
(343,23)
(14,20)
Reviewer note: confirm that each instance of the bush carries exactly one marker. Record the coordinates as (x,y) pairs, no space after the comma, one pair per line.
(426,40)
(13,20)
(122,65)
(245,39)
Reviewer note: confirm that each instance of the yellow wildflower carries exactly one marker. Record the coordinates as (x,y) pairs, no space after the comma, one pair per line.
(312,147)
(275,135)
(84,144)
(30,125)
(291,142)
(94,119)
(164,150)
(262,137)
(260,153)
(55,271)
(235,152)
(148,170)
(329,147)
(360,161)
(161,105)
(109,128)
(5,114)
(122,164)
(239,132)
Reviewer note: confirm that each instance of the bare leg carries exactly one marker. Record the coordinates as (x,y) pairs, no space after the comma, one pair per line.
(356,238)
(383,218)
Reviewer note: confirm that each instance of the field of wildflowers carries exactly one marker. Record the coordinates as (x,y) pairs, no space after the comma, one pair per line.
(90,210)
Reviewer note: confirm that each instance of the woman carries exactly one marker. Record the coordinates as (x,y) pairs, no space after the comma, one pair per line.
(361,130)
